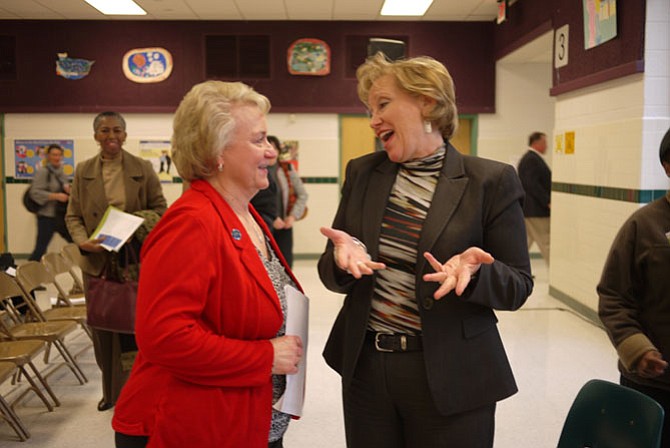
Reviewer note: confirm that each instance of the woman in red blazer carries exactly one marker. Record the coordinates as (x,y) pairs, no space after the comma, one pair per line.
(210,311)
(416,341)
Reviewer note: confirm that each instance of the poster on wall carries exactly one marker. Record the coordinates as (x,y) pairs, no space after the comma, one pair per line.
(290,152)
(30,155)
(158,153)
(599,22)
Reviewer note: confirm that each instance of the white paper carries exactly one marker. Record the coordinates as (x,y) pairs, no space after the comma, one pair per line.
(11,271)
(297,324)
(116,227)
(73,300)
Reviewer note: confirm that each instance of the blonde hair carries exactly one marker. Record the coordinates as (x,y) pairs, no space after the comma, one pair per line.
(204,122)
(420,76)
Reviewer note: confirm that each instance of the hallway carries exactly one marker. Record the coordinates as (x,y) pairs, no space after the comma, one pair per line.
(552,350)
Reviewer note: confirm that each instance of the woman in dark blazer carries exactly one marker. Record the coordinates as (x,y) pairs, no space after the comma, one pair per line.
(426,244)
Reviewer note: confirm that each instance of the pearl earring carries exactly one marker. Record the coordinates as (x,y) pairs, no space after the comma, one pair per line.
(427,127)
(220,167)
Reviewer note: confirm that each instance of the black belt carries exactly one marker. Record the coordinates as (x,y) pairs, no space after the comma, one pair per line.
(389,342)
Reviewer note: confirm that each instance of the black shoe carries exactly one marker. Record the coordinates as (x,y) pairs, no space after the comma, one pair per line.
(103,405)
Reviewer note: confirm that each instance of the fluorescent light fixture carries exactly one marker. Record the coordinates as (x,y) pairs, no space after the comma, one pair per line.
(117,7)
(405,7)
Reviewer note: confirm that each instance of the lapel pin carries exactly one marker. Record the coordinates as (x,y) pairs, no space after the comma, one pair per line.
(237,235)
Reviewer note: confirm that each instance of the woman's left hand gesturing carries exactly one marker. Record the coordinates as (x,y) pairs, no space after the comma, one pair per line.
(457,272)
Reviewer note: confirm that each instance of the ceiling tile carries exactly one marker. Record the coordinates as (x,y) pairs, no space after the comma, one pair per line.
(168,9)
(309,10)
(357,9)
(487,8)
(213,10)
(5,14)
(262,9)
(480,10)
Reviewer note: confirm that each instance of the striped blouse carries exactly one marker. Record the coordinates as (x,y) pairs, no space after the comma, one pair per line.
(394,305)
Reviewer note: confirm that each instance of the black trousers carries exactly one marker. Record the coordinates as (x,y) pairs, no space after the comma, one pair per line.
(125,441)
(284,238)
(662,397)
(389,405)
(46,227)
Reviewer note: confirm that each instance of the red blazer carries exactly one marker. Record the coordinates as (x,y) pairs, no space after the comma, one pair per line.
(206,310)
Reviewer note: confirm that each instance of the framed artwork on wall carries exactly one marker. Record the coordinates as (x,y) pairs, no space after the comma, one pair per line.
(600,19)
(309,57)
(72,68)
(146,65)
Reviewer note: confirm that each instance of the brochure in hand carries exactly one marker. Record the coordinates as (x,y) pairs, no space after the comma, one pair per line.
(116,227)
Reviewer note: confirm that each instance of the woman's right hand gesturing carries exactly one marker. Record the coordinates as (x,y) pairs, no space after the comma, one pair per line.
(350,254)
(287,354)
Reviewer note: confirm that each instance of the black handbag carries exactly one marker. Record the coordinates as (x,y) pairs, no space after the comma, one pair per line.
(29,203)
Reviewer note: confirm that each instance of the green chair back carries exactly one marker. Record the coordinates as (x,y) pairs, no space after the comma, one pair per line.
(608,415)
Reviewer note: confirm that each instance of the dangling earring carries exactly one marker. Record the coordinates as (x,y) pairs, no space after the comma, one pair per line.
(220,167)
(427,127)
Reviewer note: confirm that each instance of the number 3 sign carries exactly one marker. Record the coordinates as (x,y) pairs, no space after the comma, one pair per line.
(561,46)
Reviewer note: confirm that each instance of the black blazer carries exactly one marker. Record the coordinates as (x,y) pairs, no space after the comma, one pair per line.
(266,202)
(535,178)
(477,202)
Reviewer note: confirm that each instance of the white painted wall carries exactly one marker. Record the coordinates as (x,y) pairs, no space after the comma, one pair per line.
(618,126)
(318,135)
(523,105)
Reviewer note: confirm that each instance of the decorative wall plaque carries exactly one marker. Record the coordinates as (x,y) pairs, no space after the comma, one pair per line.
(71,68)
(309,57)
(145,65)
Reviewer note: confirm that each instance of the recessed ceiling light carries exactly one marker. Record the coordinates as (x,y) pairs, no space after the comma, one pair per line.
(405,7)
(117,7)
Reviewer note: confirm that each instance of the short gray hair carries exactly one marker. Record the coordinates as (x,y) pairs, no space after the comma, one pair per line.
(109,113)
(203,123)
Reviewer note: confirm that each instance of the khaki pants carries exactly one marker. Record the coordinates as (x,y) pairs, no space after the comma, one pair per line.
(538,231)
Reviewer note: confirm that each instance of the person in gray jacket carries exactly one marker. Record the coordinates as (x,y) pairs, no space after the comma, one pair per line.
(634,293)
(51,189)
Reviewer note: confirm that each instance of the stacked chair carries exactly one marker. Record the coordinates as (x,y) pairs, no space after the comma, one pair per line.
(25,321)
(25,333)
(33,274)
(29,330)
(59,264)
(7,371)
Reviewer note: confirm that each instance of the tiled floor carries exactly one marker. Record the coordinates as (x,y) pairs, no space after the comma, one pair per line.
(552,350)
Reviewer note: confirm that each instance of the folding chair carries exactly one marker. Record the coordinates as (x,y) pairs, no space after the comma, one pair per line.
(72,253)
(608,415)
(21,354)
(18,327)
(7,370)
(32,275)
(58,266)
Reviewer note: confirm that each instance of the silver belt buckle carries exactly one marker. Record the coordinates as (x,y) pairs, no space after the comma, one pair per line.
(377,335)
